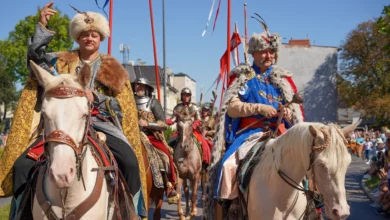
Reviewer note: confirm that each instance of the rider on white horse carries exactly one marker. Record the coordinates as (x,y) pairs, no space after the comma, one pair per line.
(249,108)
(114,107)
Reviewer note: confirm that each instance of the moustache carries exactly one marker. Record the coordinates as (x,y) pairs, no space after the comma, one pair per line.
(266,60)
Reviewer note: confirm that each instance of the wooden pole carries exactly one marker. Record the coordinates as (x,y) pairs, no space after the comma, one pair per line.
(155,51)
(110,24)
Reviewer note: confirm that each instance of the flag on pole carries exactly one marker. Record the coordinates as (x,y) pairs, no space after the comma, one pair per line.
(235,52)
(102,8)
(234,43)
(208,20)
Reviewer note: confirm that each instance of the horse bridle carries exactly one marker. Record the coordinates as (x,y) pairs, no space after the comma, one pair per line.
(63,92)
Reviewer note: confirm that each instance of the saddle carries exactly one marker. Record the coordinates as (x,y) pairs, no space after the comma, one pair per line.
(121,199)
(244,174)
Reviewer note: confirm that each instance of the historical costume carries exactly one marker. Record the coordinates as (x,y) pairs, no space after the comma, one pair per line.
(113,102)
(208,124)
(190,108)
(152,133)
(245,112)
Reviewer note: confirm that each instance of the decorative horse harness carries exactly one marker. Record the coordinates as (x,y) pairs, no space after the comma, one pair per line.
(101,153)
(311,194)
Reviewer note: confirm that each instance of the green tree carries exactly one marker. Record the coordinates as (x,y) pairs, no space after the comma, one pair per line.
(383,25)
(14,48)
(8,94)
(363,79)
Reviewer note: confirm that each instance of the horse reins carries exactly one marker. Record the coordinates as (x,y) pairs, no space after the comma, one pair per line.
(59,136)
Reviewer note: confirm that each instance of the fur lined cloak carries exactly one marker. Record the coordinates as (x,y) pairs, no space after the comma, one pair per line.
(111,80)
(281,79)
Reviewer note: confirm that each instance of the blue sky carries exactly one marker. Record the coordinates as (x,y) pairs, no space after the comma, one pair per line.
(326,23)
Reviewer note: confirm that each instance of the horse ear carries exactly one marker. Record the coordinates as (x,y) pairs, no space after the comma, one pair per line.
(347,131)
(84,75)
(42,75)
(313,131)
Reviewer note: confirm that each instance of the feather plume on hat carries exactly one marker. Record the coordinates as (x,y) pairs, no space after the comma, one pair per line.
(264,40)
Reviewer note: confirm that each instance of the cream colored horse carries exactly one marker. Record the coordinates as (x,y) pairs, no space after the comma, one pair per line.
(60,184)
(189,164)
(270,197)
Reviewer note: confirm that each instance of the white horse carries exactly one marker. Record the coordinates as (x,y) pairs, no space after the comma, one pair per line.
(270,197)
(59,192)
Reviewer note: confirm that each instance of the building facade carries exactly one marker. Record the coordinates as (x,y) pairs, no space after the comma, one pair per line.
(175,82)
(314,70)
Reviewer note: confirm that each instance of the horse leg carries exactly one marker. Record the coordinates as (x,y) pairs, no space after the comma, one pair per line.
(179,194)
(203,182)
(187,195)
(194,187)
(159,203)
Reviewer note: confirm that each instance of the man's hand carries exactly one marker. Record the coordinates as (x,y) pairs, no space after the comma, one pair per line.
(142,123)
(269,111)
(46,13)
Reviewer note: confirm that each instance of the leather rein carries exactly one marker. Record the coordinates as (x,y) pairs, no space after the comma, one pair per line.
(59,136)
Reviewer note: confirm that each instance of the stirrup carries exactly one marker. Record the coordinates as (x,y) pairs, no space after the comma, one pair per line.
(172,195)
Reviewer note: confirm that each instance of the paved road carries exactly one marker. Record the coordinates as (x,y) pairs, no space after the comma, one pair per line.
(5,201)
(357,199)
(170,211)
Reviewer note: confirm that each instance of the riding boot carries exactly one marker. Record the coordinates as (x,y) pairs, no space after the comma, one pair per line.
(169,190)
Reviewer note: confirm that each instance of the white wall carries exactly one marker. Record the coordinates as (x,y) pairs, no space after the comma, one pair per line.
(314,73)
(179,82)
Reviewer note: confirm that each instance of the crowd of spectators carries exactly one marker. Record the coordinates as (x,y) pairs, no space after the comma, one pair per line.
(375,146)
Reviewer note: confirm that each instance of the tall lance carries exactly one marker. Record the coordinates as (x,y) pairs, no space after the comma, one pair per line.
(155,50)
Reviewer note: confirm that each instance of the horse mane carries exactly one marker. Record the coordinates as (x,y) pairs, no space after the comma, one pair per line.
(66,79)
(298,142)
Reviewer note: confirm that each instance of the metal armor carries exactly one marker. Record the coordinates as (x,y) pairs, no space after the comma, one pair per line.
(186,110)
(151,111)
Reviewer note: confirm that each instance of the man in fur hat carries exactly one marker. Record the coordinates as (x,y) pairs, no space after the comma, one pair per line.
(109,84)
(254,95)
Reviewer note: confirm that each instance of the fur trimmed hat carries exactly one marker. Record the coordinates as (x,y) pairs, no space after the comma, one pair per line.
(264,40)
(259,42)
(86,21)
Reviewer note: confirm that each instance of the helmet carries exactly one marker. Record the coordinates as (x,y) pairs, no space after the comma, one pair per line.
(206,107)
(185,90)
(143,81)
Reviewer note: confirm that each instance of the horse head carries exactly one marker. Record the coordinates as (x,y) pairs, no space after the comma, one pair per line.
(329,160)
(184,128)
(65,111)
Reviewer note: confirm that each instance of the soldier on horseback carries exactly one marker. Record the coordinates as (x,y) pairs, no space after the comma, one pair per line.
(114,111)
(250,109)
(190,108)
(208,123)
(152,125)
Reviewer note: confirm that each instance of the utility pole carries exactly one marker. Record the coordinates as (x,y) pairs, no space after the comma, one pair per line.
(125,51)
